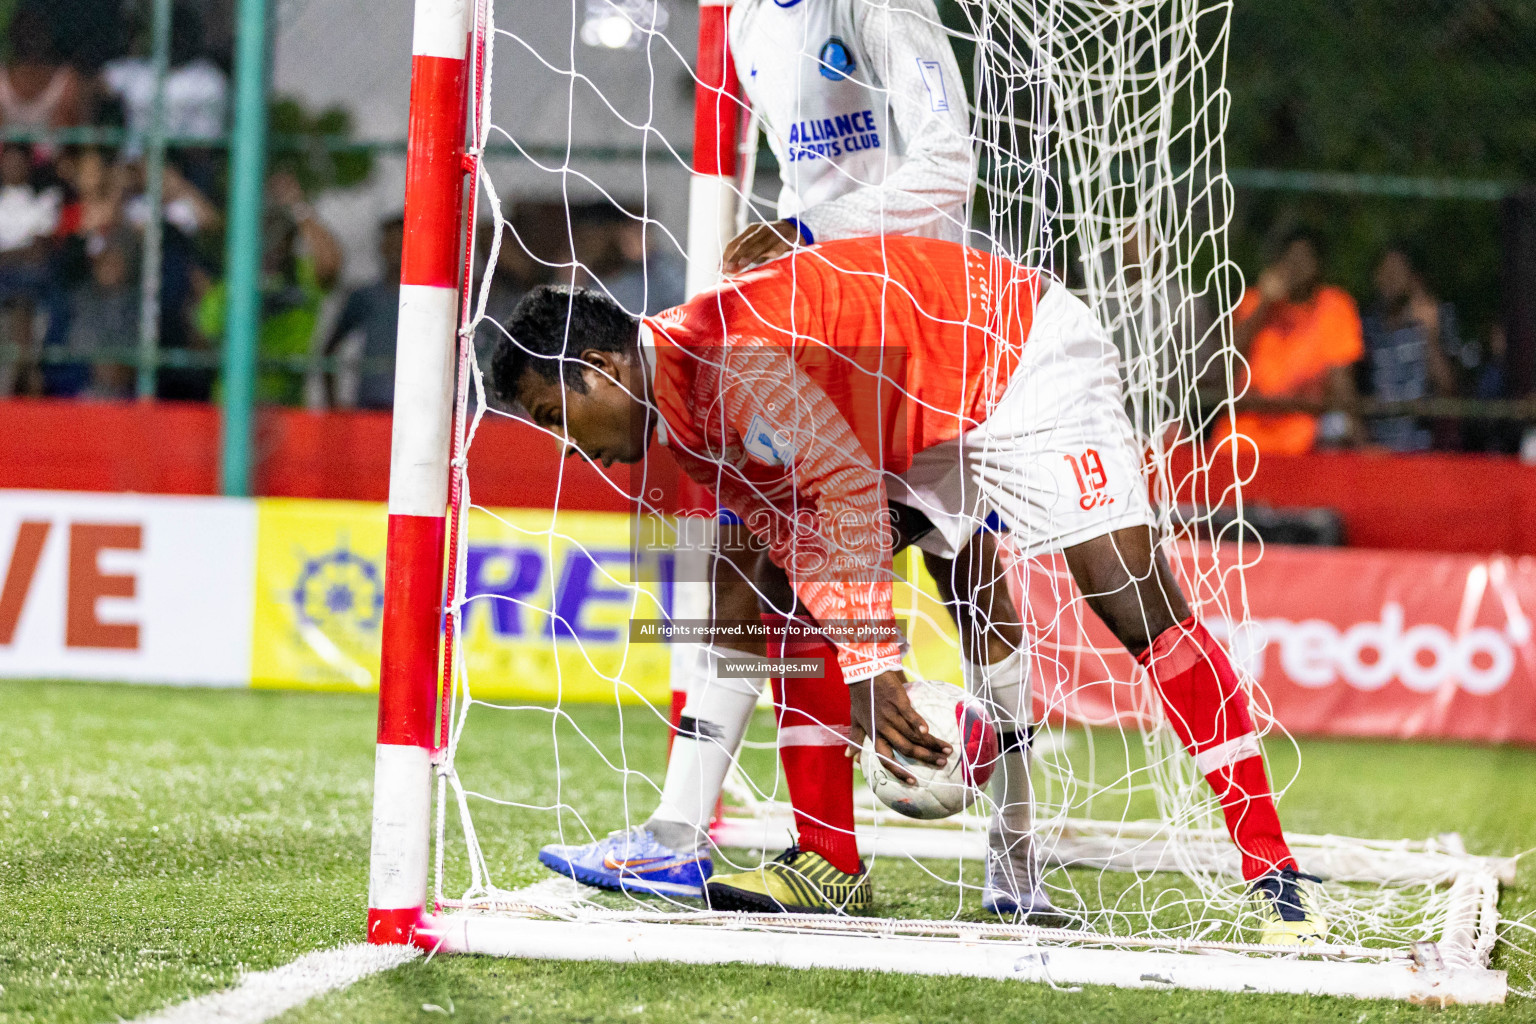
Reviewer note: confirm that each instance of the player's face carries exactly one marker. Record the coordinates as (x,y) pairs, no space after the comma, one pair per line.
(607,423)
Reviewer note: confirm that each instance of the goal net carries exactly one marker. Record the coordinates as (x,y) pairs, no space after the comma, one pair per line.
(1097,134)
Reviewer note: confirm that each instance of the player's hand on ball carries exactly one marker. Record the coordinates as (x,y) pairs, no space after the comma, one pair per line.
(759,243)
(881,709)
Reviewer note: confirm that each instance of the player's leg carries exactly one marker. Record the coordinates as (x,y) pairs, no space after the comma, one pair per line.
(996,668)
(1128,584)
(822,872)
(669,853)
(1059,460)
(718,710)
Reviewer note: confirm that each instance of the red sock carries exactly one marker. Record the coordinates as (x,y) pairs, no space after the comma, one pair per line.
(1209,711)
(814,718)
(675,715)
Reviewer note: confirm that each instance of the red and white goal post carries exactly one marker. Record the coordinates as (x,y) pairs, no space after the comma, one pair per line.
(1447,952)
(418,473)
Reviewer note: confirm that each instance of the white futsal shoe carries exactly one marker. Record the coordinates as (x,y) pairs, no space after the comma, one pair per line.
(1013,887)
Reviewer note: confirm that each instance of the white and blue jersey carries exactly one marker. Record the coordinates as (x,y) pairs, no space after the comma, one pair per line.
(864,107)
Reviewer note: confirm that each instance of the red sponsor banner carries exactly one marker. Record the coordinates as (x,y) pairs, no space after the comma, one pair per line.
(1341,642)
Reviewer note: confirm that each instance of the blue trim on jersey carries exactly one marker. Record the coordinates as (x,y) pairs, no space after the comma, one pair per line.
(726,517)
(805,232)
(786,3)
(836,60)
(994,523)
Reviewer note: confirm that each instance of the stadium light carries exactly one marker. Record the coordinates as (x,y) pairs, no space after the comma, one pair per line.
(621,24)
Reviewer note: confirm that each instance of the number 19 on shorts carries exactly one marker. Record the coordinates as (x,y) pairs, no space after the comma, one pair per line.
(1088,468)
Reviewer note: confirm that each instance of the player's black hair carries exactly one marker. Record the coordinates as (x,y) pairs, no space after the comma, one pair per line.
(550,322)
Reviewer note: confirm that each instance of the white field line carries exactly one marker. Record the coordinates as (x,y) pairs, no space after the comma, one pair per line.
(261,996)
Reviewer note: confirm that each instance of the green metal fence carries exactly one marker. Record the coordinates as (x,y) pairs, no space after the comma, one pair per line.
(249,143)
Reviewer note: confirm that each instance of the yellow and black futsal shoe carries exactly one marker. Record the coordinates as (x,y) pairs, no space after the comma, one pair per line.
(795,882)
(1288,908)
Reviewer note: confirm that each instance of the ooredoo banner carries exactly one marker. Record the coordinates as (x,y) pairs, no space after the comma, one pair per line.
(1339,642)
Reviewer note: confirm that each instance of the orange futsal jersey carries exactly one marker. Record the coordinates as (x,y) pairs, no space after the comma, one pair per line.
(791,389)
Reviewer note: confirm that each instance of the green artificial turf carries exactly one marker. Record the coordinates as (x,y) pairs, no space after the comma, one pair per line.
(156,842)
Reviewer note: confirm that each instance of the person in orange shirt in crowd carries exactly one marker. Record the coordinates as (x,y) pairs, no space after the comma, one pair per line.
(1300,338)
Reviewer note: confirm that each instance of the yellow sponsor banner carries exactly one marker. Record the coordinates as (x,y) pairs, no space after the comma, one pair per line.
(934,642)
(550,601)
(319,593)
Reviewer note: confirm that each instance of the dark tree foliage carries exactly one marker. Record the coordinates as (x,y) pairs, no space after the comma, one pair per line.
(1420,87)
(1416,88)
(1436,88)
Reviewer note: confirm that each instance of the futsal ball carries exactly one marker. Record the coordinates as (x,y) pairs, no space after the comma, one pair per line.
(959,720)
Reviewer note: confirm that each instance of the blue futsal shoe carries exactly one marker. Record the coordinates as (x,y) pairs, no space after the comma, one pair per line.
(632,860)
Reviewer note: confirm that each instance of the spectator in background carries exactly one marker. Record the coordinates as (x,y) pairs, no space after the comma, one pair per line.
(85,33)
(535,242)
(196,89)
(101,255)
(595,238)
(372,316)
(301,261)
(190,219)
(37,89)
(1408,335)
(99,268)
(649,275)
(1483,371)
(196,96)
(105,315)
(28,217)
(1300,337)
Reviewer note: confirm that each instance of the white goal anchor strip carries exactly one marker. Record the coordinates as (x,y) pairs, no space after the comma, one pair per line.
(1099,132)
(262,995)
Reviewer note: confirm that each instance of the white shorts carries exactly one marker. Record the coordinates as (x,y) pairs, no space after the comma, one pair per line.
(1057,459)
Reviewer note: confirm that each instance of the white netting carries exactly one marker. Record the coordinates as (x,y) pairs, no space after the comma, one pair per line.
(1097,133)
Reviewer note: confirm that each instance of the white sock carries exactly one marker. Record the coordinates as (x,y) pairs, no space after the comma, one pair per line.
(713,723)
(1004,686)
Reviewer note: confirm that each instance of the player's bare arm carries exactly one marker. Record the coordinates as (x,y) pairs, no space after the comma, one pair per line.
(880,706)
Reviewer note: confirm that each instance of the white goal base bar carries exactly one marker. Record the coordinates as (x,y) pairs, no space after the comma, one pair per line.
(742,939)
(553,920)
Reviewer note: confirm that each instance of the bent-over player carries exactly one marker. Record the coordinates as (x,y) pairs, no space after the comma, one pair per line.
(811,391)
(865,109)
